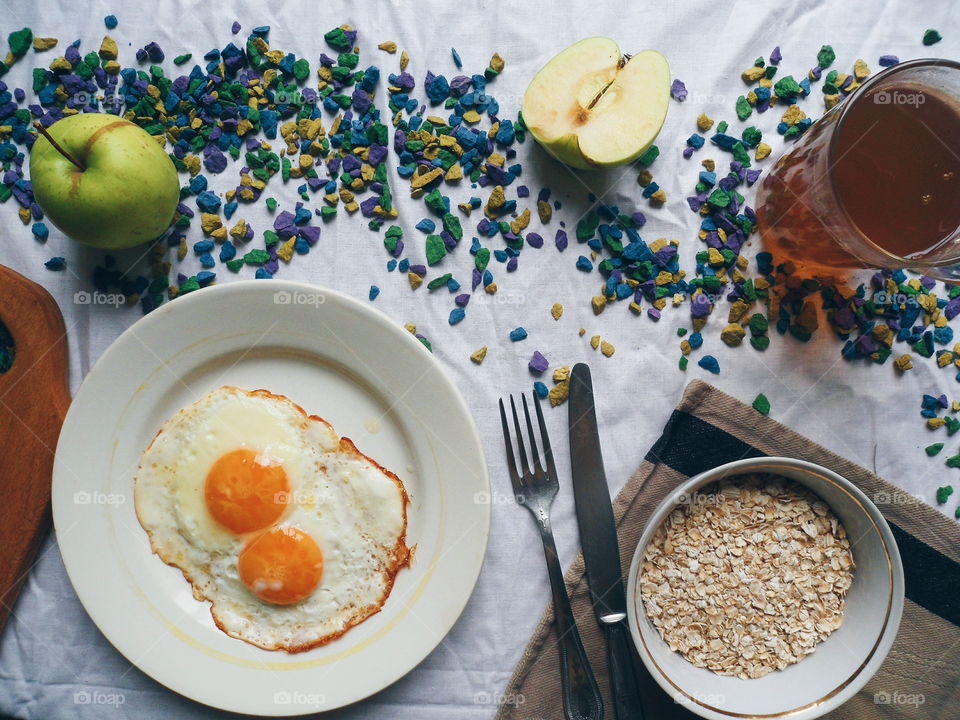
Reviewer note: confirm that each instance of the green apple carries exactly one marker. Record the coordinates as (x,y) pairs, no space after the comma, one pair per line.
(592,107)
(103,180)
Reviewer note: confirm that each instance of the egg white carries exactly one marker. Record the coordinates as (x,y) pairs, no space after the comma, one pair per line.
(353,508)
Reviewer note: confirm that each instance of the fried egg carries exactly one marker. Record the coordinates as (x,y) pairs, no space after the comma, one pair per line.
(289,531)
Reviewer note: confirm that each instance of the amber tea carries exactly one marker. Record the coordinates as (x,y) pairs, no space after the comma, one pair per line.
(876,182)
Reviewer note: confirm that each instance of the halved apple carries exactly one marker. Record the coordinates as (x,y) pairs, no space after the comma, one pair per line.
(592,107)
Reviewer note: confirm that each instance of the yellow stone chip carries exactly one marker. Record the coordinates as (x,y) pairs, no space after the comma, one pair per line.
(496,200)
(210,222)
(44,43)
(285,251)
(420,179)
(559,393)
(520,223)
(732,334)
(238,231)
(737,310)
(663,278)
(904,362)
(793,115)
(545,211)
(108,48)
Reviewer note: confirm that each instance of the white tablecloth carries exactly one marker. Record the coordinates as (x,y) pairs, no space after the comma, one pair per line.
(51,651)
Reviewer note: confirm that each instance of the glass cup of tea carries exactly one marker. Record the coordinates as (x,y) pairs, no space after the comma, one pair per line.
(875,183)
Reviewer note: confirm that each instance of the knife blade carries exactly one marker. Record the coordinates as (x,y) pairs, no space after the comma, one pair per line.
(598,538)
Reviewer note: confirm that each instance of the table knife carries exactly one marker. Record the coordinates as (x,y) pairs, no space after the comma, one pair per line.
(598,536)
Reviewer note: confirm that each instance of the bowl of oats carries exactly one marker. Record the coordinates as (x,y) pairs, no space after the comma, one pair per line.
(766,587)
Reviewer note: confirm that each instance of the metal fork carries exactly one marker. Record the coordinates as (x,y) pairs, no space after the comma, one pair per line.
(535,491)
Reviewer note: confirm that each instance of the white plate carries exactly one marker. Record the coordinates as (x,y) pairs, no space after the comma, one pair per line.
(337,358)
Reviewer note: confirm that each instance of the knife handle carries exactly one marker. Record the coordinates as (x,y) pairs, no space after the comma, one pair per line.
(623,679)
(581,694)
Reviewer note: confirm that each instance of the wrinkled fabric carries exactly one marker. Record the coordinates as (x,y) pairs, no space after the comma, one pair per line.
(51,653)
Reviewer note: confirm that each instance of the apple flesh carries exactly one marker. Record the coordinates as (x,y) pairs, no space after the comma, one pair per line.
(104,181)
(591,107)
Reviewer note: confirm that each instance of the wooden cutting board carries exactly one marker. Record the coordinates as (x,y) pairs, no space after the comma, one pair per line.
(34,395)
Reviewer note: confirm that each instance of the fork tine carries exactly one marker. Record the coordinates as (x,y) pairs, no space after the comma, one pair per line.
(511,462)
(534,452)
(520,447)
(547,452)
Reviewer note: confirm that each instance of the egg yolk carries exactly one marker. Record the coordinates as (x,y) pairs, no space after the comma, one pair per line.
(245,492)
(281,565)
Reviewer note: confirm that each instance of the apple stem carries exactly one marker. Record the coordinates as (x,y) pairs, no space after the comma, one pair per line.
(43,131)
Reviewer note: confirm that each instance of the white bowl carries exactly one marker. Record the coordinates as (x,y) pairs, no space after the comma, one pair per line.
(841,664)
